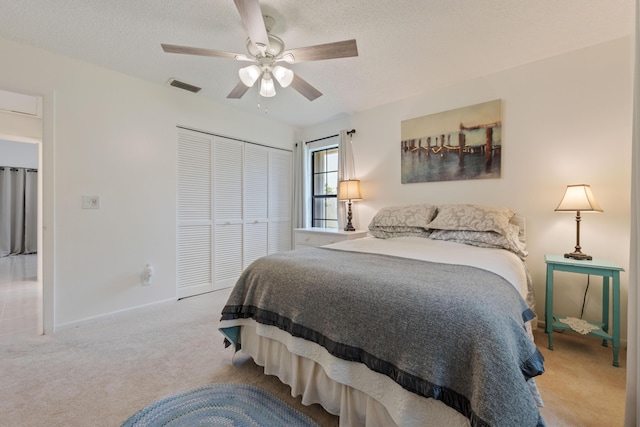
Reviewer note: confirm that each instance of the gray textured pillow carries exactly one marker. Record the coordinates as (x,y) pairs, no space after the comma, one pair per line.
(389,232)
(472,218)
(485,239)
(405,220)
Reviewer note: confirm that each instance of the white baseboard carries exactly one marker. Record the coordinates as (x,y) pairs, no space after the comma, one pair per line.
(75,323)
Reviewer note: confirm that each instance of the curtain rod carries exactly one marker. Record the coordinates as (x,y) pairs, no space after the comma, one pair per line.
(15,168)
(350,132)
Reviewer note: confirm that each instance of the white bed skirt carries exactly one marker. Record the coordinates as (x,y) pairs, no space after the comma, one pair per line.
(350,390)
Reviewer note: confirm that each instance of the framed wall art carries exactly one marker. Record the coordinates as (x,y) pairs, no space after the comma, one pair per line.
(460,144)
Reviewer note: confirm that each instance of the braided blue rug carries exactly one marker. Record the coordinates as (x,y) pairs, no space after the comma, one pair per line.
(224,404)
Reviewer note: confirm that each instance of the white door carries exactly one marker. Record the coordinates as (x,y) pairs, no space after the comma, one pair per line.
(234,206)
(256,188)
(280,189)
(227,194)
(195,221)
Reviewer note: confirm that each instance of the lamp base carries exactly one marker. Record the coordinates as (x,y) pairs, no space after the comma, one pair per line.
(579,256)
(349,226)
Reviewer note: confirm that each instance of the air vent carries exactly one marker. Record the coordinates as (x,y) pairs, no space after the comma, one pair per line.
(184,86)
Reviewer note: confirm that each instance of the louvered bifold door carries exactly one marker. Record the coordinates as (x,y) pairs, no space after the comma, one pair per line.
(195,222)
(256,187)
(227,190)
(280,166)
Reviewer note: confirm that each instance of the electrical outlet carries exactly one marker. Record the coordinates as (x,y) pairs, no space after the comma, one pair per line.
(147,275)
(90,202)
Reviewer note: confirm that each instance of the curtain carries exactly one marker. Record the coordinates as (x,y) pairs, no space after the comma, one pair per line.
(31,212)
(346,170)
(300,185)
(632,412)
(18,211)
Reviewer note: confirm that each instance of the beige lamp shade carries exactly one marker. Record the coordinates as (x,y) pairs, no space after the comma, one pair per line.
(578,198)
(349,190)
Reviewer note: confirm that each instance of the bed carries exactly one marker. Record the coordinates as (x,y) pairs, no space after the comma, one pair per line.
(427,322)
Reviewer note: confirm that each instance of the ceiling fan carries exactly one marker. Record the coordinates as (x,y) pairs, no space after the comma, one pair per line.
(265,51)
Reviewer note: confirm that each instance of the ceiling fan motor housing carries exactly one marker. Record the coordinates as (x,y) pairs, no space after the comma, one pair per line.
(276,47)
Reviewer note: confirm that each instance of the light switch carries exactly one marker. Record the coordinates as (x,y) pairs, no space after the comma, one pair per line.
(90,202)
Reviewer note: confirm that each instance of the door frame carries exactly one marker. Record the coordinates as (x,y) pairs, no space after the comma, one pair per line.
(46,204)
(28,140)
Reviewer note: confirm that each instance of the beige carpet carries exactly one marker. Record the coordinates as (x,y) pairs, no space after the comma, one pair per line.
(580,386)
(103,371)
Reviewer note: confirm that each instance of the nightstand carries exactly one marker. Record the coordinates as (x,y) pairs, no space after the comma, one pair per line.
(324,236)
(597,267)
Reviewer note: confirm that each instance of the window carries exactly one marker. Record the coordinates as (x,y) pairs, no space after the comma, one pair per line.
(324,187)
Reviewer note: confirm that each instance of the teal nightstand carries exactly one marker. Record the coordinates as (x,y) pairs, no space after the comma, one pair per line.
(596,267)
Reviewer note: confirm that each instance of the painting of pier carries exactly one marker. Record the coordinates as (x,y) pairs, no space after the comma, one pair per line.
(460,144)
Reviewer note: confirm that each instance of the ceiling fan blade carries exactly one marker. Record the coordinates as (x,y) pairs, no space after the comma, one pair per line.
(251,16)
(171,48)
(305,88)
(238,91)
(343,49)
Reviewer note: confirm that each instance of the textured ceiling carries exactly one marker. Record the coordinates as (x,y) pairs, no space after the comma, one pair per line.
(405,46)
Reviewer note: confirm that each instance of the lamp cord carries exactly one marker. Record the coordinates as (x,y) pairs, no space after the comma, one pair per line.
(584,299)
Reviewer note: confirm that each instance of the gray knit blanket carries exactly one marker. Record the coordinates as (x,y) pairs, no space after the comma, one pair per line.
(450,332)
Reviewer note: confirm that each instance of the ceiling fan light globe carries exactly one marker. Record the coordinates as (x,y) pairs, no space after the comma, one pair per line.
(249,75)
(267,88)
(284,76)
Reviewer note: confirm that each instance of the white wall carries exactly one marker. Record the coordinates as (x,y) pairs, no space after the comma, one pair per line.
(111,135)
(566,120)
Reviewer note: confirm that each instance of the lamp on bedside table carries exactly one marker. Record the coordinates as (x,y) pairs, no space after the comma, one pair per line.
(578,198)
(349,190)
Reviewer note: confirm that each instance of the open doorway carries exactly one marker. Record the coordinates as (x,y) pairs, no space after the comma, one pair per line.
(21,290)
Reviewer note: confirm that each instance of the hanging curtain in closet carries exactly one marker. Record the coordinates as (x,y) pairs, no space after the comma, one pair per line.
(632,414)
(18,211)
(346,170)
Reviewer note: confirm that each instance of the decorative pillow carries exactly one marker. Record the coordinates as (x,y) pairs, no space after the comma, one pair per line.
(388,232)
(404,216)
(406,220)
(472,218)
(485,239)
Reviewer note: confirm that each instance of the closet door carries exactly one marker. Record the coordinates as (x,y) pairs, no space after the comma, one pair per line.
(228,211)
(280,181)
(194,214)
(234,206)
(256,216)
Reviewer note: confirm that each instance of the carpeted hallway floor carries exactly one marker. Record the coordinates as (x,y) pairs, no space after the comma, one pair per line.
(101,372)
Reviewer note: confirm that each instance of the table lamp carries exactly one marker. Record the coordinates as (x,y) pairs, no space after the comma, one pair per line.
(578,198)
(349,190)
